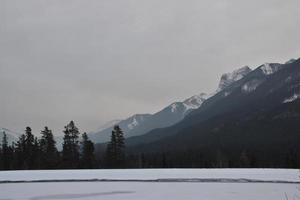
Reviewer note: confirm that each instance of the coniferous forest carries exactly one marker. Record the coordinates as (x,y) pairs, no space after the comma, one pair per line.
(79,152)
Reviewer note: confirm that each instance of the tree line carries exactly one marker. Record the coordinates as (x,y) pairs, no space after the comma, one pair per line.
(78,151)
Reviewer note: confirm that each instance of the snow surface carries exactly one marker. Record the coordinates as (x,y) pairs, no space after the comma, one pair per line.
(153,174)
(148,191)
(142,190)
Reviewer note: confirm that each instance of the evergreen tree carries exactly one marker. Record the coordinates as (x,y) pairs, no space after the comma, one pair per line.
(70,153)
(29,148)
(111,151)
(120,146)
(5,151)
(115,153)
(87,156)
(20,153)
(49,153)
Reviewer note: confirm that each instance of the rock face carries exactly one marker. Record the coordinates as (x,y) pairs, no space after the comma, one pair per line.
(229,78)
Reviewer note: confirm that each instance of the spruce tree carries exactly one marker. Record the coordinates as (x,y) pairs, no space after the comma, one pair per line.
(49,153)
(20,153)
(115,153)
(120,151)
(87,156)
(111,151)
(70,154)
(5,157)
(29,147)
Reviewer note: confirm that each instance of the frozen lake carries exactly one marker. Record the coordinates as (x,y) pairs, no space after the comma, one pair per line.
(147,191)
(181,184)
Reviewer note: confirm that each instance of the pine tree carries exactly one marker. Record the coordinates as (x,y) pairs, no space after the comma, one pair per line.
(49,153)
(71,146)
(87,156)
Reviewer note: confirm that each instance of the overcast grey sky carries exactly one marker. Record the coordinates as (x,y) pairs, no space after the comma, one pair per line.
(96,60)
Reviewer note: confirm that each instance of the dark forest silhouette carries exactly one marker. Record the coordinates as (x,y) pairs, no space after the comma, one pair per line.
(31,152)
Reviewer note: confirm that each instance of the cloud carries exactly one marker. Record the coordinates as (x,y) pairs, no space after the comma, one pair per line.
(93,60)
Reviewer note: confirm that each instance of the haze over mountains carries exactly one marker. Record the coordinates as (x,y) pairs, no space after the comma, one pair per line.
(247,107)
(254,117)
(140,124)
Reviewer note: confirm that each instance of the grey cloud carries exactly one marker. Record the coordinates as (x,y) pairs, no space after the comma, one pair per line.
(93,60)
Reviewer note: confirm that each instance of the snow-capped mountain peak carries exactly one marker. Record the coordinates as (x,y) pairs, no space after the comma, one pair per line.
(229,78)
(195,101)
(270,68)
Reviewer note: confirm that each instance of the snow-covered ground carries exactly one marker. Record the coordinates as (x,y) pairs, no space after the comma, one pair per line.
(133,185)
(147,191)
(277,175)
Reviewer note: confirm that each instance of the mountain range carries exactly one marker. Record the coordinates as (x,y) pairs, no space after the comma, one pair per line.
(258,113)
(254,111)
(140,124)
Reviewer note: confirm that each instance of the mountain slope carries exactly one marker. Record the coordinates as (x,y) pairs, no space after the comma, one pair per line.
(235,95)
(11,135)
(263,119)
(140,124)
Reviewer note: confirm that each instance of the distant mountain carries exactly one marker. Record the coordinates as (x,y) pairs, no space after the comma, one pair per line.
(11,135)
(140,124)
(259,113)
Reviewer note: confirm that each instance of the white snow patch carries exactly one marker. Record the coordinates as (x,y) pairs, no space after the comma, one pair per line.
(292,98)
(226,94)
(174,107)
(133,124)
(250,86)
(269,69)
(195,102)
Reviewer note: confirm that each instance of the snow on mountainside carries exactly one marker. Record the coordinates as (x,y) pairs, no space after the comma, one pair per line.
(229,78)
(189,104)
(142,123)
(244,78)
(270,68)
(136,120)
(292,98)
